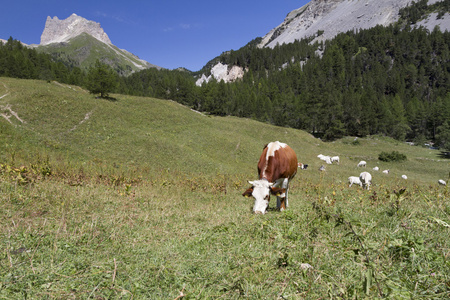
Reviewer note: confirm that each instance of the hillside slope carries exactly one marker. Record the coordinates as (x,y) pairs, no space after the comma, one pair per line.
(321,20)
(67,125)
(83,50)
(336,16)
(158,134)
(79,42)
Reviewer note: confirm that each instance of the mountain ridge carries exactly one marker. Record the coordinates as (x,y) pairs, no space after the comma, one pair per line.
(68,41)
(321,19)
(83,50)
(335,16)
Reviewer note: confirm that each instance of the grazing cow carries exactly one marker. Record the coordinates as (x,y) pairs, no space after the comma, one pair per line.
(366,179)
(362,164)
(302,166)
(354,180)
(276,167)
(386,171)
(376,168)
(404,177)
(335,159)
(325,158)
(442,182)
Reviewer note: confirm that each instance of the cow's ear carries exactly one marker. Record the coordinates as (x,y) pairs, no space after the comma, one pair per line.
(248,192)
(277,191)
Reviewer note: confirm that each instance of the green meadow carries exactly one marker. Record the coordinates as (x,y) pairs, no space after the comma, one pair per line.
(140,198)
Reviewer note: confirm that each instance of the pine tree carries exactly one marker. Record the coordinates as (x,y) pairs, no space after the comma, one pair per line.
(443,136)
(399,127)
(101,80)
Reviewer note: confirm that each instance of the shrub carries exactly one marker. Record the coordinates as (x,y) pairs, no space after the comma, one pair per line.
(393,156)
(355,143)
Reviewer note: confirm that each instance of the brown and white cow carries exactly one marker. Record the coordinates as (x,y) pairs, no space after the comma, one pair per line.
(276,167)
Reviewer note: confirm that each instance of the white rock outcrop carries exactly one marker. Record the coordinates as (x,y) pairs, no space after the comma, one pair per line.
(58,31)
(220,72)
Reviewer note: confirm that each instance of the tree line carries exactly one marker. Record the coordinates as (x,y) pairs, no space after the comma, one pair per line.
(417,10)
(19,61)
(390,80)
(386,80)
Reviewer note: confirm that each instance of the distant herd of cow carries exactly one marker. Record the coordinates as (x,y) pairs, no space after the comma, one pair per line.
(277,166)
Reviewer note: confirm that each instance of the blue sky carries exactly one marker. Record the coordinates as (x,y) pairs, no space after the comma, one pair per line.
(167,33)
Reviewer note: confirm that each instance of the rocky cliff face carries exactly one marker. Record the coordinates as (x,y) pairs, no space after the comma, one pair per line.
(333,17)
(58,31)
(336,16)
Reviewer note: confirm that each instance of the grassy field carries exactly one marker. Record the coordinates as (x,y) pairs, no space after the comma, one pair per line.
(140,198)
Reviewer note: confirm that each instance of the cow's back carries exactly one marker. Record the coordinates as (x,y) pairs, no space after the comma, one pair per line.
(277,160)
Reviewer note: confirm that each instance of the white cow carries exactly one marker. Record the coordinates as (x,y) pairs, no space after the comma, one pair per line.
(442,182)
(354,180)
(366,179)
(404,177)
(335,159)
(362,164)
(325,158)
(386,171)
(376,168)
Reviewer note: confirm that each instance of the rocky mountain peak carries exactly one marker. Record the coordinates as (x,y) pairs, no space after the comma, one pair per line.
(331,17)
(58,31)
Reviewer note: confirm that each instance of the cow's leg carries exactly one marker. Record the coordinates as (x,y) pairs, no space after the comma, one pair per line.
(282,200)
(284,203)
(281,205)
(286,186)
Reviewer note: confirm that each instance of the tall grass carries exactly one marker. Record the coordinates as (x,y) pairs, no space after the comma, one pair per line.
(155,211)
(157,240)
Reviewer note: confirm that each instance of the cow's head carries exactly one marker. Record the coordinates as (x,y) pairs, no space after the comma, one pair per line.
(261,190)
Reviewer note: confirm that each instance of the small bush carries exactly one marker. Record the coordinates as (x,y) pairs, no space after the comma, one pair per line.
(393,156)
(355,143)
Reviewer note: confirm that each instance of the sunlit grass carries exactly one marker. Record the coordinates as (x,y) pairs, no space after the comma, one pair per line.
(159,239)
